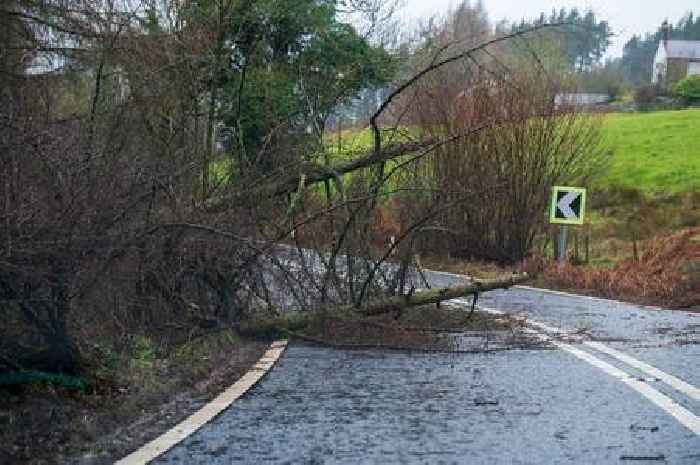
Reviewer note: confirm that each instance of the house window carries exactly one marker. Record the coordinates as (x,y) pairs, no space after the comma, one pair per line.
(693,67)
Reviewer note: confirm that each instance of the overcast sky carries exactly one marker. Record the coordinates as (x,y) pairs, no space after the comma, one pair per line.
(626,17)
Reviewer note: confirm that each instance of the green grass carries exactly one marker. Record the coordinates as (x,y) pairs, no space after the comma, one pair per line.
(656,153)
(349,142)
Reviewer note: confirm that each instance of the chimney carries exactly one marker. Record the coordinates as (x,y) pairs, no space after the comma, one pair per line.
(666,32)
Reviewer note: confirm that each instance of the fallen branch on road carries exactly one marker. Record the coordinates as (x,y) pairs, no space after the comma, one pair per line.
(297,320)
(347,346)
(434,296)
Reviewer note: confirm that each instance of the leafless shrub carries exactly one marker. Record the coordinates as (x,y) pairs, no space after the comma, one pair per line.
(523,143)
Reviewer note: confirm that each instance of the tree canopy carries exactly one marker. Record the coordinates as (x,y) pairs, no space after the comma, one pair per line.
(582,38)
(283,66)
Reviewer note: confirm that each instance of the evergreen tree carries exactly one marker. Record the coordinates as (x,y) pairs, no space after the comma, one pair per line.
(582,38)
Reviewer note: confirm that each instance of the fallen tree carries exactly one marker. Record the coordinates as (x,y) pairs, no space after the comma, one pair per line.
(265,324)
(121,218)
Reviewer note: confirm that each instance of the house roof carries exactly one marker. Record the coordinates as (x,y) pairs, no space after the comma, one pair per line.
(689,49)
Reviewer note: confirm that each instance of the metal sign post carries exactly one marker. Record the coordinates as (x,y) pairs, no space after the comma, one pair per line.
(563,230)
(567,208)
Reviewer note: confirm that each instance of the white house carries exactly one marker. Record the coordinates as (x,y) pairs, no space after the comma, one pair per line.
(675,60)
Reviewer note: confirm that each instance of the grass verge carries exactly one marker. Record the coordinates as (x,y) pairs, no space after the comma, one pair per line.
(137,395)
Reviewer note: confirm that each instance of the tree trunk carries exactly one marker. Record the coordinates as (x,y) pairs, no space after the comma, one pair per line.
(295,321)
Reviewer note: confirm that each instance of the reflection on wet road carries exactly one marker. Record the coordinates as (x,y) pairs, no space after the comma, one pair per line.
(321,405)
(517,407)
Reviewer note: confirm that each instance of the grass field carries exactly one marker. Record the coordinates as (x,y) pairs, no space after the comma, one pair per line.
(654,152)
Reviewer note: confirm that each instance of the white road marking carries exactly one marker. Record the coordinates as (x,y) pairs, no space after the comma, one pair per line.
(680,413)
(167,440)
(587,297)
(683,415)
(673,381)
(536,324)
(676,383)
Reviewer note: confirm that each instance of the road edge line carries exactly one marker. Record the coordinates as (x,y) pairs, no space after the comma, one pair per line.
(208,412)
(673,381)
(594,298)
(684,416)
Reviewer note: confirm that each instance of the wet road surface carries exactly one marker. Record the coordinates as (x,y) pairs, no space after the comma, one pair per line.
(321,405)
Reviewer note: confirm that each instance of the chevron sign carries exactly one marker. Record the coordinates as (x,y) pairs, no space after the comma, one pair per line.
(568,205)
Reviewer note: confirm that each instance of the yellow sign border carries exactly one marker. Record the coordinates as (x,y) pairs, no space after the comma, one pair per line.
(553,205)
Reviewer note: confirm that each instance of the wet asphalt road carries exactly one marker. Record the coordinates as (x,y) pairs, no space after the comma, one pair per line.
(320,405)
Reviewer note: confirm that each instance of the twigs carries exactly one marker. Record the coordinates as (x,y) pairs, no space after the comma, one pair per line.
(392,347)
(434,66)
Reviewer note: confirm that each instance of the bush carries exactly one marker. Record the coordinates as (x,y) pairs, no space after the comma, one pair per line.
(645,96)
(498,181)
(688,89)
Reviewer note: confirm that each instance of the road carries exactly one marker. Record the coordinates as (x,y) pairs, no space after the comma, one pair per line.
(583,401)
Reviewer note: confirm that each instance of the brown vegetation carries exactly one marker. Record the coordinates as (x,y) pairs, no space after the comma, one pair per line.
(666,274)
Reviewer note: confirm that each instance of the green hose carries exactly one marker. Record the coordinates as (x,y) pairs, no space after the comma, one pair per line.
(27,377)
